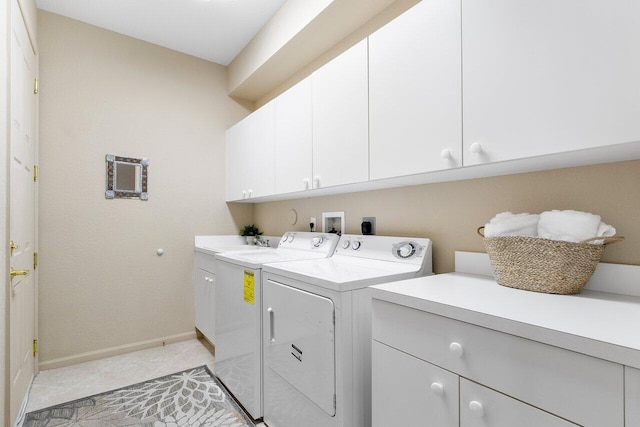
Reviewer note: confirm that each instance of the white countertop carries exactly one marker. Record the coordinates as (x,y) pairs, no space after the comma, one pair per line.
(598,324)
(226,243)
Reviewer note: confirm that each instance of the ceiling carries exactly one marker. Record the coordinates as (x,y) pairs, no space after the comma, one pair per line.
(215,30)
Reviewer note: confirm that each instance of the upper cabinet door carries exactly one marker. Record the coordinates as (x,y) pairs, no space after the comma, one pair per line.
(548,76)
(340,120)
(237,167)
(293,139)
(415,91)
(251,156)
(261,152)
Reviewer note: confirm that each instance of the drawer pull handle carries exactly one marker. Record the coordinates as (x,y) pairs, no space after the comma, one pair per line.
(437,389)
(476,408)
(456,349)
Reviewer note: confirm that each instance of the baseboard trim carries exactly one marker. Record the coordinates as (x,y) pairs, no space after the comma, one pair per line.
(114,351)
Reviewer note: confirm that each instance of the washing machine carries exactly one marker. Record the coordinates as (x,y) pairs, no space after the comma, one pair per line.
(238,315)
(317,329)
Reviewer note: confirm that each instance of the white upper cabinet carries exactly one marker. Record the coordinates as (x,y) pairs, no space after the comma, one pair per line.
(237,167)
(415,92)
(340,120)
(293,139)
(251,156)
(548,76)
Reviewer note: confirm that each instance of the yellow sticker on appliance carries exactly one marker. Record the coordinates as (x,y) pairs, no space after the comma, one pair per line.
(249,287)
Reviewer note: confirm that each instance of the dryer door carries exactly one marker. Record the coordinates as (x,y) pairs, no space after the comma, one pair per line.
(299,341)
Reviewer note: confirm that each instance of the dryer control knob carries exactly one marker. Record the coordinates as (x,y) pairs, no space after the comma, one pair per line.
(291,237)
(317,241)
(346,244)
(356,245)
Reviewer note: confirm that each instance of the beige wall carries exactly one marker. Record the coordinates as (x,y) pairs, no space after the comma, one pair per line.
(449,213)
(101,283)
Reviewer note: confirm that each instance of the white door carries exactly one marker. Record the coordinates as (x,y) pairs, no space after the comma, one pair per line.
(23,116)
(415,92)
(299,342)
(548,76)
(406,390)
(341,119)
(293,139)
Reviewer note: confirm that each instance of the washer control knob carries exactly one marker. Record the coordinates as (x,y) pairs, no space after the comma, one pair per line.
(456,349)
(437,389)
(476,408)
(317,241)
(346,244)
(406,249)
(356,245)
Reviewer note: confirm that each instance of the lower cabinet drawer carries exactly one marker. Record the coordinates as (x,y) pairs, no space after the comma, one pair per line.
(482,407)
(205,261)
(583,389)
(407,391)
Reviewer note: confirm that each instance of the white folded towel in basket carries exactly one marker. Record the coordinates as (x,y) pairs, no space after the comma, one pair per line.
(509,224)
(568,225)
(572,226)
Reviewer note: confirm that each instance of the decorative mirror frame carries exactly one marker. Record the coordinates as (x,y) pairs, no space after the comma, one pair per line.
(112,192)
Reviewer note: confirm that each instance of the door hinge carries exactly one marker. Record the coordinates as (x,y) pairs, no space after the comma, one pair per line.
(35,348)
(35,173)
(35,86)
(35,260)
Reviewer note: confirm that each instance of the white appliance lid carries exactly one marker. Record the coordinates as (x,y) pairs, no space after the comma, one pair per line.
(256,259)
(344,273)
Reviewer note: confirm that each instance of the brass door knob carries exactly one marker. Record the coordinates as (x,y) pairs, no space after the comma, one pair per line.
(15,273)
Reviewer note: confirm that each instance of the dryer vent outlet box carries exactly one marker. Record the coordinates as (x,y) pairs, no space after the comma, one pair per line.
(368,225)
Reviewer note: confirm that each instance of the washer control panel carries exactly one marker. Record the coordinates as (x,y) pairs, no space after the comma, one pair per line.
(308,241)
(384,248)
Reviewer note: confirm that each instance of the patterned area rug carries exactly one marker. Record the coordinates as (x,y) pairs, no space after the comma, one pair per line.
(190,398)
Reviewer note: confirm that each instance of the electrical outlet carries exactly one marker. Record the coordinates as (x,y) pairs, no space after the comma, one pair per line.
(312,223)
(368,225)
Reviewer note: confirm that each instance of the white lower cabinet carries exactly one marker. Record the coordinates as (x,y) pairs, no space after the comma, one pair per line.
(505,380)
(406,389)
(204,280)
(632,396)
(483,407)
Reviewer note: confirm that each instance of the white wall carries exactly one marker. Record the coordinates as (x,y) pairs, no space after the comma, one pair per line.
(102,286)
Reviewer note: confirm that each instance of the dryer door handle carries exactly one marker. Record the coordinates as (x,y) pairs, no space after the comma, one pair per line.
(272,324)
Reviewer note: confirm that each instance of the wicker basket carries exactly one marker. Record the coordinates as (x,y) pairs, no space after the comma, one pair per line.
(542,265)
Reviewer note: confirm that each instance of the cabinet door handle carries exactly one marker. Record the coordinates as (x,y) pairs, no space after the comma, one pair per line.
(306,183)
(316,182)
(476,408)
(456,349)
(272,324)
(475,148)
(445,154)
(437,389)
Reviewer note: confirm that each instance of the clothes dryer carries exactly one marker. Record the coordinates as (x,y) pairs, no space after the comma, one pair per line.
(317,329)
(238,316)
